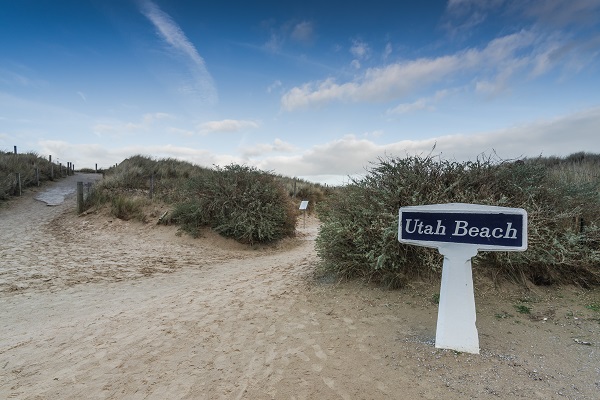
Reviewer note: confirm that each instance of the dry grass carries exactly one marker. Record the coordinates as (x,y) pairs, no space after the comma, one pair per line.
(26,165)
(241,202)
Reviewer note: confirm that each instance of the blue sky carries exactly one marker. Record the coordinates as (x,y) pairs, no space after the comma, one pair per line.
(311,89)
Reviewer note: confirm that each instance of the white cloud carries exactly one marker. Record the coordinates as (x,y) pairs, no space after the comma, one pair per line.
(558,13)
(375,134)
(172,34)
(387,51)
(290,31)
(87,155)
(227,125)
(179,131)
(424,103)
(405,108)
(278,146)
(497,62)
(465,15)
(275,85)
(350,155)
(117,128)
(377,84)
(346,156)
(360,49)
(303,32)
(275,43)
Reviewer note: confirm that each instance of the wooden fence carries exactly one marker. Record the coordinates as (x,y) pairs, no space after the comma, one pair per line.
(19,173)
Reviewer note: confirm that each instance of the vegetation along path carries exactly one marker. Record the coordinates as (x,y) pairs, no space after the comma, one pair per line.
(96,307)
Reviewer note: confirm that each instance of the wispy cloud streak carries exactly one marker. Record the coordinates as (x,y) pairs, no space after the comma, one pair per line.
(227,125)
(502,59)
(171,33)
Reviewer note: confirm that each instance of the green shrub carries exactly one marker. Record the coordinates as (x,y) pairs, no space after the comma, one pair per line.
(359,232)
(238,202)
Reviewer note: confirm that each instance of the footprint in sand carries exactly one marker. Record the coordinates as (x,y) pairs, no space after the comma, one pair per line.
(331,384)
(319,352)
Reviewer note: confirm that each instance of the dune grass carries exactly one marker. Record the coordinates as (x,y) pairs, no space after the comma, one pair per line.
(240,202)
(25,164)
(358,235)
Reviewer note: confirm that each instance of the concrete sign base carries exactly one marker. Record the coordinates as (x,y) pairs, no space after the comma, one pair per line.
(456,328)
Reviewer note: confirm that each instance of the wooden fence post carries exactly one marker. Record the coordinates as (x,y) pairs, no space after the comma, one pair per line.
(79,197)
(15,149)
(37,175)
(18,176)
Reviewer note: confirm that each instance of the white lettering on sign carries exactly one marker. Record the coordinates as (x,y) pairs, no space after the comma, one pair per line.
(462,229)
(418,227)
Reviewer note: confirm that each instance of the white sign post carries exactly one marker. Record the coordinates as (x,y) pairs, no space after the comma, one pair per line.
(459,231)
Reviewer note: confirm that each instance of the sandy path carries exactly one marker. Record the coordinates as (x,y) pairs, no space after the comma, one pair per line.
(92,307)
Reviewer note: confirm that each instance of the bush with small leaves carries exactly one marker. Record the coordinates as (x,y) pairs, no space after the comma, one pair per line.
(238,202)
(359,232)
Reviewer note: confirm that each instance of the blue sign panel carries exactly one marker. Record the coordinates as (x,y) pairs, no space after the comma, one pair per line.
(487,229)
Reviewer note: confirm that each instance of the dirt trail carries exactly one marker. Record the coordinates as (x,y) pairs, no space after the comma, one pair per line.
(93,307)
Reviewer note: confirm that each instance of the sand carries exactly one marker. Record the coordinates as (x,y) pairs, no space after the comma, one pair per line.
(99,308)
